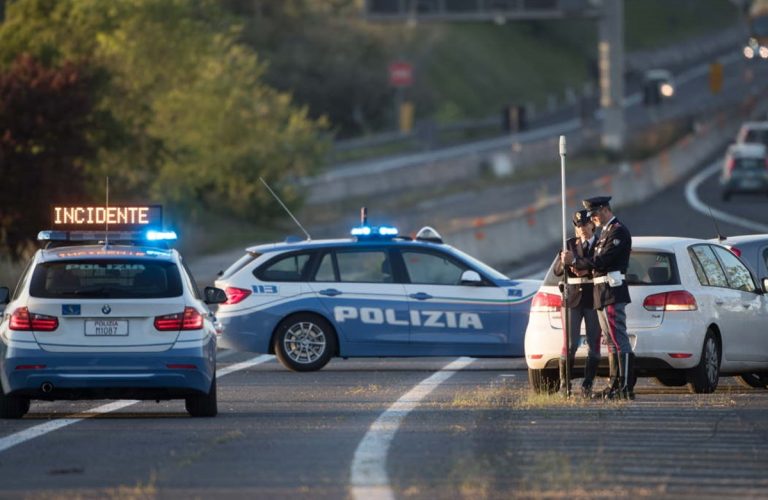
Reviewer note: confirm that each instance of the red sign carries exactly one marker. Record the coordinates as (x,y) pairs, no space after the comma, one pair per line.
(400,74)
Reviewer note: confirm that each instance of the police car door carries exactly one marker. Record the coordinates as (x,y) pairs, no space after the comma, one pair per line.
(458,319)
(358,289)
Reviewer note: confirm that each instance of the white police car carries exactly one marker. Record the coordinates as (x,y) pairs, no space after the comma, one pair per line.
(376,294)
(113,315)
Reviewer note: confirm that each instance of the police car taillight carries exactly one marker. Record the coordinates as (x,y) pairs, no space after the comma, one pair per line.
(190,319)
(678,300)
(23,320)
(546,302)
(235,295)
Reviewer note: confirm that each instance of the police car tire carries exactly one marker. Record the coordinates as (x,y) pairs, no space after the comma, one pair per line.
(13,406)
(753,380)
(318,321)
(544,381)
(203,405)
(703,378)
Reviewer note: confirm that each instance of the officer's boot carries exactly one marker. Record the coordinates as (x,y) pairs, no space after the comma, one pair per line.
(565,388)
(590,370)
(613,378)
(628,378)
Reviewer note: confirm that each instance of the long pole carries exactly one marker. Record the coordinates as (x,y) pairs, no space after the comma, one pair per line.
(566,309)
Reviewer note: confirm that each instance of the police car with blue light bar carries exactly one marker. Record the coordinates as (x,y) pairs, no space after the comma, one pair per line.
(107,314)
(373,295)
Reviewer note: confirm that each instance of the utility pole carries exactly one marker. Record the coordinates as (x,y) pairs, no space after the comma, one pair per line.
(611,68)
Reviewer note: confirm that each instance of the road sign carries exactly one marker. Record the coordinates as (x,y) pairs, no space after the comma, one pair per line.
(400,74)
(715,77)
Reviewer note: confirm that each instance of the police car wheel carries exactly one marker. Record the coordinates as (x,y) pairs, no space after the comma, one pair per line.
(753,380)
(703,378)
(545,381)
(203,405)
(304,342)
(13,406)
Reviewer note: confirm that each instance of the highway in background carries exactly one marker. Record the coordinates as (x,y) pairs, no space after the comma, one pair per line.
(477,434)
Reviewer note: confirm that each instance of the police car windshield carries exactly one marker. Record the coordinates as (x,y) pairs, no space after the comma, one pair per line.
(101,279)
(483,268)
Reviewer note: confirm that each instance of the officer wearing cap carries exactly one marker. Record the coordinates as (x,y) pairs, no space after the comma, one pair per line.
(580,302)
(611,294)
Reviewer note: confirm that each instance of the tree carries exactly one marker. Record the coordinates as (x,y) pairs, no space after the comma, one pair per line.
(189,121)
(45,119)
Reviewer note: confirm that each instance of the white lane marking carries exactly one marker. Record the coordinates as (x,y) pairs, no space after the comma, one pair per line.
(42,429)
(368,478)
(244,364)
(694,201)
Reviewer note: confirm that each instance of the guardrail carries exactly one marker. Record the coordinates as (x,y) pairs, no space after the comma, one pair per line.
(426,135)
(509,236)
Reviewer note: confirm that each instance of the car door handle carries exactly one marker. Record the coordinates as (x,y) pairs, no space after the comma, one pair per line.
(745,306)
(330,292)
(420,296)
(719,302)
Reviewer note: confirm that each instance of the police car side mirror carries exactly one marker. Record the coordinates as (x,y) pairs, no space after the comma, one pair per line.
(5,295)
(471,278)
(214,295)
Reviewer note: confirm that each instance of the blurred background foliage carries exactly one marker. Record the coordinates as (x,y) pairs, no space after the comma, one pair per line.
(189,102)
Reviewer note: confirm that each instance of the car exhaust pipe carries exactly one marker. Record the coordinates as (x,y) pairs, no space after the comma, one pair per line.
(47,387)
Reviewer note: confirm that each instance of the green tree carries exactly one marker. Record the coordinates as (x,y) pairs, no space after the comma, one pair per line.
(45,116)
(192,123)
(325,55)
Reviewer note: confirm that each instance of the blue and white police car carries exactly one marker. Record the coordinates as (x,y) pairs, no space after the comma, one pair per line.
(373,295)
(107,315)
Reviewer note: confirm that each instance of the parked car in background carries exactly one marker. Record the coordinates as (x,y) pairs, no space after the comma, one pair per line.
(745,170)
(696,314)
(753,251)
(754,132)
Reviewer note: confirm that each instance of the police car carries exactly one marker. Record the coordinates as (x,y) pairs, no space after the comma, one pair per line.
(107,315)
(375,294)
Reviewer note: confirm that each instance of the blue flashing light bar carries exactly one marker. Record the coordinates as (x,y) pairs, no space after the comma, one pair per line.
(374,232)
(154,235)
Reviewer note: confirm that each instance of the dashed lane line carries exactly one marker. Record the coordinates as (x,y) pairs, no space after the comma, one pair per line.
(368,478)
(42,429)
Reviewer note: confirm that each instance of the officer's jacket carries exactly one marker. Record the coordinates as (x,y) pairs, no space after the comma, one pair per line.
(579,294)
(611,254)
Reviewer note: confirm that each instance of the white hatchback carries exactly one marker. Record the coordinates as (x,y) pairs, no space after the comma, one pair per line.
(696,314)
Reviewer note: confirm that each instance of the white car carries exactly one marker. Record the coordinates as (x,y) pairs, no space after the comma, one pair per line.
(696,314)
(107,320)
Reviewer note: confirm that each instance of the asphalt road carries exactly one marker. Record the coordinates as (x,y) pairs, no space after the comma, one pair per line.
(376,429)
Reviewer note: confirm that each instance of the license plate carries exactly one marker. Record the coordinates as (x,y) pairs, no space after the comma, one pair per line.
(106,327)
(749,183)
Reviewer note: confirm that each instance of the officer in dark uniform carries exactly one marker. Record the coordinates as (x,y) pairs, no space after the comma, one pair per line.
(580,302)
(611,295)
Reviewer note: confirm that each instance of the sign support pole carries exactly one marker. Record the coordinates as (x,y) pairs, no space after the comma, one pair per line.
(565,309)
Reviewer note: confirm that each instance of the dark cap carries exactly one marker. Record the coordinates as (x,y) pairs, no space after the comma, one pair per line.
(580,218)
(593,204)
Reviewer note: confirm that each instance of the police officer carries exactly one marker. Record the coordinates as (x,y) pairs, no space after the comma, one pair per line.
(580,303)
(611,294)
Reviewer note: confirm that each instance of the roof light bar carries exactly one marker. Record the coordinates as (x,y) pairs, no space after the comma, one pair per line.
(153,235)
(374,231)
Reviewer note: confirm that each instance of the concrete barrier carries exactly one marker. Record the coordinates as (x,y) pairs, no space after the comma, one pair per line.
(510,236)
